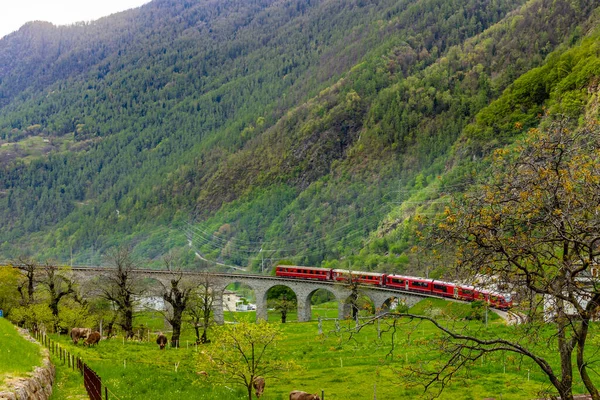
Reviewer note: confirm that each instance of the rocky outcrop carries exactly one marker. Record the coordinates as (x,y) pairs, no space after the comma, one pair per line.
(38,386)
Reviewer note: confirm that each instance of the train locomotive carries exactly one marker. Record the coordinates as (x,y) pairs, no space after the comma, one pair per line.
(501,301)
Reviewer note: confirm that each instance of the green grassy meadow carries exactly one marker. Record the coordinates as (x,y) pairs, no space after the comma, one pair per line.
(360,367)
(18,357)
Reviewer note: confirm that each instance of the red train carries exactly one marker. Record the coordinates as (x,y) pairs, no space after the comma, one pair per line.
(406,283)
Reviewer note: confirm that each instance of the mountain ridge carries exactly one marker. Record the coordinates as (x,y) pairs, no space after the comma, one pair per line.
(309,129)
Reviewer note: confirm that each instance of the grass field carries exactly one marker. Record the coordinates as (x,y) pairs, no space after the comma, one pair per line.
(361,368)
(18,357)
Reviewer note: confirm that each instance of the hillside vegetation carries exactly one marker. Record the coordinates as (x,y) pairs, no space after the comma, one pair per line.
(259,131)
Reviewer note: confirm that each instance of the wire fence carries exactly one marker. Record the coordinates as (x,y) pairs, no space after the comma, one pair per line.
(91,380)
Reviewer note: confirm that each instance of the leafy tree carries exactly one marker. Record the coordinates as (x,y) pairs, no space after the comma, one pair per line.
(178,295)
(357,300)
(58,285)
(243,352)
(33,316)
(121,287)
(536,224)
(286,303)
(26,287)
(200,307)
(10,277)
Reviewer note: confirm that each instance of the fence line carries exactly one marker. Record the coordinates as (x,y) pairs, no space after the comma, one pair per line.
(91,380)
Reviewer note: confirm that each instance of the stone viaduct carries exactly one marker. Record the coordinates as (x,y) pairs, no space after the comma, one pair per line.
(304,289)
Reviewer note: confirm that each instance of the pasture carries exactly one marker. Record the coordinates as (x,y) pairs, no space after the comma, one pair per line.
(18,356)
(361,367)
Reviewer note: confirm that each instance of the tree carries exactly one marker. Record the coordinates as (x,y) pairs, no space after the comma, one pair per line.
(177,295)
(26,288)
(120,286)
(536,224)
(10,278)
(284,305)
(57,285)
(356,300)
(244,352)
(34,316)
(200,307)
(283,300)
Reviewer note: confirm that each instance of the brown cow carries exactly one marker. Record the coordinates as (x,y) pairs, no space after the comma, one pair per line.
(299,395)
(161,341)
(79,333)
(93,338)
(259,385)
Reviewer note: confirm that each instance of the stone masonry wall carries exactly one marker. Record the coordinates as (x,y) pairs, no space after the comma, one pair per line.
(38,386)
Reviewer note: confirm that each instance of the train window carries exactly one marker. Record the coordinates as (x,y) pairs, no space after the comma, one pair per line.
(419,284)
(440,287)
(466,291)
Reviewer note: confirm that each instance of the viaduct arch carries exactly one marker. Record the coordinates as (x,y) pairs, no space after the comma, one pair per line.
(261,284)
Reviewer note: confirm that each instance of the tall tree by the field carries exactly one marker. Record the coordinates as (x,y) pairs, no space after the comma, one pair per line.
(10,278)
(536,224)
(200,308)
(244,352)
(57,284)
(121,287)
(29,268)
(283,300)
(177,294)
(32,312)
(283,305)
(357,299)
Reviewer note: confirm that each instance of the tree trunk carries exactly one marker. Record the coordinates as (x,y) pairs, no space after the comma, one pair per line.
(197,329)
(128,323)
(565,350)
(204,338)
(176,333)
(54,307)
(250,391)
(581,364)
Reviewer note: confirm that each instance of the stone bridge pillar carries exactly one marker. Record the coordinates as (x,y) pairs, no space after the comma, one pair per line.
(344,309)
(218,307)
(261,303)
(304,306)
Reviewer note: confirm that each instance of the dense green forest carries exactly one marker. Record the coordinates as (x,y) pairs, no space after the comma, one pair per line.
(254,132)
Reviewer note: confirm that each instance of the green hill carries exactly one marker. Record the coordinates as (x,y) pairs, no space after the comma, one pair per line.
(259,131)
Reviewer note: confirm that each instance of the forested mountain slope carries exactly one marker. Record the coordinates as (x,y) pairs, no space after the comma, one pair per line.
(291,129)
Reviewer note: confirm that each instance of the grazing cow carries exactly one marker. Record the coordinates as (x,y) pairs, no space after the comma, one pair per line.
(93,338)
(79,333)
(161,341)
(259,385)
(299,395)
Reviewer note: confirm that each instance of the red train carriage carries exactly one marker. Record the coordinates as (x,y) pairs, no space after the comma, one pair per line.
(364,278)
(293,271)
(501,301)
(421,285)
(444,289)
(396,281)
(408,283)
(466,293)
(496,300)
